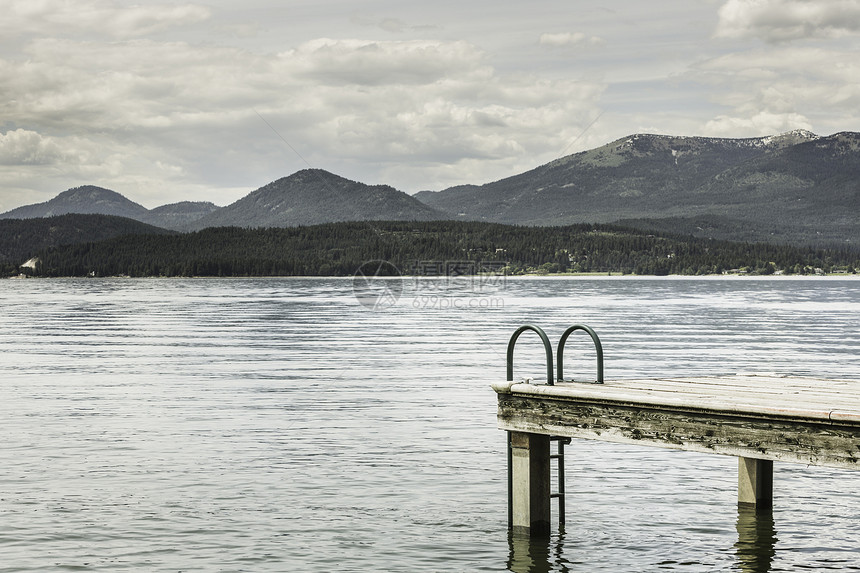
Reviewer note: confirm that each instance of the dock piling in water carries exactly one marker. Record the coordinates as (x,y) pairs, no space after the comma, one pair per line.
(530,470)
(755,483)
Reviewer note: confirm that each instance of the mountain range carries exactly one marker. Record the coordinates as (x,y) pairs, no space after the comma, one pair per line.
(92,200)
(306,197)
(796,188)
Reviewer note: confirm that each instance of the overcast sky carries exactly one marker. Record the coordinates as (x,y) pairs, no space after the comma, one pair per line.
(165,102)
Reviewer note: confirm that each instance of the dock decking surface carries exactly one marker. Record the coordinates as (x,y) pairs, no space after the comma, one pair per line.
(801,398)
(804,420)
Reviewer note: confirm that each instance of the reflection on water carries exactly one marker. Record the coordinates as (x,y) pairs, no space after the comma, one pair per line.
(537,554)
(756,540)
(755,548)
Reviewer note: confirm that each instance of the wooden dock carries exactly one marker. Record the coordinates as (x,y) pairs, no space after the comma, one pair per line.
(757,418)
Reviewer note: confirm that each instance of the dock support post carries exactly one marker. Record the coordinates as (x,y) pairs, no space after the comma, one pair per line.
(530,483)
(755,483)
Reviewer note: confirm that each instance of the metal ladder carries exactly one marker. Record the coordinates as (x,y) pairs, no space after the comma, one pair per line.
(559,458)
(561,441)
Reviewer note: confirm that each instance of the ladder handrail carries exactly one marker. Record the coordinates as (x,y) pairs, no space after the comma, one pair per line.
(597,346)
(547,346)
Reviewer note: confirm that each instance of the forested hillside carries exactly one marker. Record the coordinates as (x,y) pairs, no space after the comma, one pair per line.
(339,249)
(20,239)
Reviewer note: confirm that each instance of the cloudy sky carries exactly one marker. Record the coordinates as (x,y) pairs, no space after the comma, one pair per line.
(165,102)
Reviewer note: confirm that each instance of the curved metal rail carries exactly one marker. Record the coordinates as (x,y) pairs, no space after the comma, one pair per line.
(546,344)
(597,346)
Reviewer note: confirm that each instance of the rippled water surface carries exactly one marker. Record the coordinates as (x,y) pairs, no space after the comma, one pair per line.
(279,425)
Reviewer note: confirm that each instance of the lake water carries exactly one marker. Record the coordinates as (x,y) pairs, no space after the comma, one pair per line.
(280,425)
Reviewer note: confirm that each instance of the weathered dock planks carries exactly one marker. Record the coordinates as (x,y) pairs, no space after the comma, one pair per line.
(801,420)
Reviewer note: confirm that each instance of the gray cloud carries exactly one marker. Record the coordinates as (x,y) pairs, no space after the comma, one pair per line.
(95,18)
(23,147)
(569,39)
(777,21)
(373,63)
(391,24)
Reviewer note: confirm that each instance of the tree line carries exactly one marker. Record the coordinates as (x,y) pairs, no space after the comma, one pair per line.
(20,239)
(339,249)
